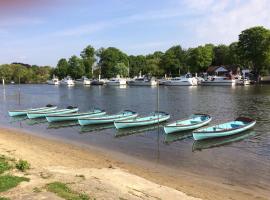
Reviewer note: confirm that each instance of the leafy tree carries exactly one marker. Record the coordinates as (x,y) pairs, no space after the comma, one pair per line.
(153,62)
(62,68)
(173,60)
(88,56)
(254,46)
(75,67)
(136,64)
(221,55)
(121,69)
(109,58)
(200,58)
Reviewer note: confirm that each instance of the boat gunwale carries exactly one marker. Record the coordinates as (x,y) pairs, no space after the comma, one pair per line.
(126,121)
(209,119)
(199,131)
(76,114)
(66,109)
(100,118)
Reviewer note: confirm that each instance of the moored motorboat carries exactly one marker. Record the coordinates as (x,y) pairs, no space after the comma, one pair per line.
(107,118)
(14,113)
(226,129)
(40,114)
(53,81)
(154,118)
(142,81)
(195,121)
(74,116)
(67,81)
(116,82)
(219,81)
(186,80)
(83,81)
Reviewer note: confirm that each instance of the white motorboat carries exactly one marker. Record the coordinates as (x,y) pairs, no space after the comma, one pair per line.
(67,81)
(53,81)
(186,80)
(116,82)
(142,81)
(219,81)
(83,81)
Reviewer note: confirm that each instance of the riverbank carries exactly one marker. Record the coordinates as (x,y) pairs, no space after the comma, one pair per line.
(103,177)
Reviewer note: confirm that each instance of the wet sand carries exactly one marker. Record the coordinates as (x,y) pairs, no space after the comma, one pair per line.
(106,176)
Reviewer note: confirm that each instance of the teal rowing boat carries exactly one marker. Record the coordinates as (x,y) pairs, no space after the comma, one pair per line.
(40,114)
(74,116)
(14,113)
(155,118)
(226,129)
(195,121)
(107,118)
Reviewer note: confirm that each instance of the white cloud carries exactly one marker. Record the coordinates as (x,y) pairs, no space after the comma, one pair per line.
(222,21)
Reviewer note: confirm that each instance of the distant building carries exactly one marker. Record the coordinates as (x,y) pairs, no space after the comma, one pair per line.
(223,70)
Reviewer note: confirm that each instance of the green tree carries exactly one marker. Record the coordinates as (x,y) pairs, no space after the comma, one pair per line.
(88,57)
(109,58)
(221,55)
(153,62)
(137,64)
(254,46)
(62,68)
(121,69)
(200,58)
(75,67)
(173,60)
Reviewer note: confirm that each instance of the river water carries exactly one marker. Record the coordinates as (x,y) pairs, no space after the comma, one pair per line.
(242,159)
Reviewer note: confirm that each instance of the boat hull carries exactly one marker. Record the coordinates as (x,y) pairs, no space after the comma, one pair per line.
(33,115)
(89,121)
(219,83)
(24,112)
(72,117)
(208,135)
(171,129)
(123,124)
(142,83)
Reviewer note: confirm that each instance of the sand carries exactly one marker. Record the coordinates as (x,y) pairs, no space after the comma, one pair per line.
(103,176)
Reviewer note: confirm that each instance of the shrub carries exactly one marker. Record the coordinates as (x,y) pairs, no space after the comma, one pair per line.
(22,165)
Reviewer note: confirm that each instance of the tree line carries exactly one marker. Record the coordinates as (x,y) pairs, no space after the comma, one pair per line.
(252,50)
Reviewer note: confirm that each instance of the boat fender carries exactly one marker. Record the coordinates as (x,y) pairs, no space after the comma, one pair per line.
(49,105)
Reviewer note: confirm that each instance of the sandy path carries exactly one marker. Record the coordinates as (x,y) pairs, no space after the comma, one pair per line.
(103,177)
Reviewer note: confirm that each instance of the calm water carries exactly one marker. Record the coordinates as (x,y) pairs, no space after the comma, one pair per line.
(242,159)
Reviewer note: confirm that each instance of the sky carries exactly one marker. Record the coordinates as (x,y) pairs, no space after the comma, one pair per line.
(43,31)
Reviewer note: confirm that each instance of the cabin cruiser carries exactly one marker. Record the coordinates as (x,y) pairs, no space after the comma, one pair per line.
(53,81)
(142,81)
(116,82)
(186,80)
(67,81)
(219,81)
(83,81)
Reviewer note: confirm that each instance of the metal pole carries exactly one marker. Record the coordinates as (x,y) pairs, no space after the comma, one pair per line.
(19,89)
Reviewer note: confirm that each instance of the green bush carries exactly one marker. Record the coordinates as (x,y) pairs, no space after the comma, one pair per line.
(4,165)
(4,198)
(22,165)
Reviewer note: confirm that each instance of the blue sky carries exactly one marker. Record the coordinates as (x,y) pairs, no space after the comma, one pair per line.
(42,31)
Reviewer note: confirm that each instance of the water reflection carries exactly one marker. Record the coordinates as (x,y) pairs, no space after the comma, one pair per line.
(131,131)
(169,138)
(92,128)
(57,125)
(217,142)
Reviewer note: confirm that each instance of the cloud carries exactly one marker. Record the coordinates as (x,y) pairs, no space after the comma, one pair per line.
(222,21)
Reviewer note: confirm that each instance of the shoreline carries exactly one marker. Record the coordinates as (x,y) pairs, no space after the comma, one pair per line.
(60,157)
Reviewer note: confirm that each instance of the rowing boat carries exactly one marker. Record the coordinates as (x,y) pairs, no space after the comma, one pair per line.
(195,121)
(154,118)
(14,113)
(74,116)
(226,129)
(107,118)
(40,114)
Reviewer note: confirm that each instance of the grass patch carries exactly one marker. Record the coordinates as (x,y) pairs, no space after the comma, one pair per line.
(62,190)
(22,165)
(4,164)
(7,182)
(4,198)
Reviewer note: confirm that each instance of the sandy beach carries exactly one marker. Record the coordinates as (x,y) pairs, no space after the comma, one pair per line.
(103,176)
